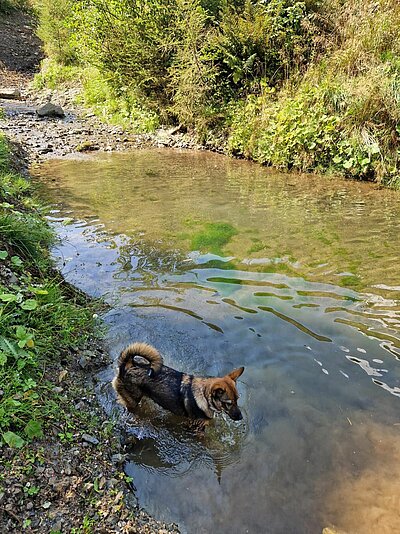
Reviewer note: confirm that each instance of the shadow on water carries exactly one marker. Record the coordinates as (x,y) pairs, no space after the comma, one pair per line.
(220,264)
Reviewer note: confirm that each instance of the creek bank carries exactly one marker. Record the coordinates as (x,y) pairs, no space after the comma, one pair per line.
(79,131)
(72,478)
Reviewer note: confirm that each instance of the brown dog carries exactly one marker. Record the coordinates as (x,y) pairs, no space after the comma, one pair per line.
(195,397)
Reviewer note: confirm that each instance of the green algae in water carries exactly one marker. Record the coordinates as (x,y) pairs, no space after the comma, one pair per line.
(213,237)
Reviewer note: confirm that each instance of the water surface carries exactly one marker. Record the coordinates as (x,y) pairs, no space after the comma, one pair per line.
(220,263)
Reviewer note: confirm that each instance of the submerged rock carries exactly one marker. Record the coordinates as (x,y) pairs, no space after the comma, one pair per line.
(50,110)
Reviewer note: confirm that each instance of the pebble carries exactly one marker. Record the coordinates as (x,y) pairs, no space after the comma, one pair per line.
(83,361)
(118,458)
(90,439)
(57,526)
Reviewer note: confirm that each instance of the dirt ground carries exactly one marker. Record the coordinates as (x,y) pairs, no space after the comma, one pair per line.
(20,50)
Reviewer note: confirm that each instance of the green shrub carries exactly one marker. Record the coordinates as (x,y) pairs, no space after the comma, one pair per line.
(309,85)
(55,31)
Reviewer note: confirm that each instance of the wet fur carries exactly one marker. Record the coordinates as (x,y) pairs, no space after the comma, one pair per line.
(197,398)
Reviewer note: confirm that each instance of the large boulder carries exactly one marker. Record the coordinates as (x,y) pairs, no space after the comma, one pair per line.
(10,93)
(50,110)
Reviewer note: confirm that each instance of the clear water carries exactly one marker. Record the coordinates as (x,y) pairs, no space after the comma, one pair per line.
(220,263)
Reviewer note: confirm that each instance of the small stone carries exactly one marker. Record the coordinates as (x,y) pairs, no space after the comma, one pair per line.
(57,526)
(83,361)
(29,506)
(46,505)
(90,439)
(62,375)
(111,483)
(68,470)
(118,458)
(58,389)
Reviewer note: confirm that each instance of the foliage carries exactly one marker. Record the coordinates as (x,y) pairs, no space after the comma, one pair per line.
(343,114)
(122,107)
(54,74)
(309,85)
(54,30)
(39,317)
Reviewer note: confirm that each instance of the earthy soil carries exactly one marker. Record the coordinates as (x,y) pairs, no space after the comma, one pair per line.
(72,479)
(20,50)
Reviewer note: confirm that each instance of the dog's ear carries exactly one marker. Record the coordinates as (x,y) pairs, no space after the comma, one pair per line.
(234,375)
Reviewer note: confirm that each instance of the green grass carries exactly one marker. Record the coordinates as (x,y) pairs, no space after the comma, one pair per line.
(118,107)
(40,316)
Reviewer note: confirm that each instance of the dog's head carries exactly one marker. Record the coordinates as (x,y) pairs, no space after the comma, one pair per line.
(224,395)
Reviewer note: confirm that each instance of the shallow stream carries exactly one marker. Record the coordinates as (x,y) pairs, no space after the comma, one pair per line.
(221,263)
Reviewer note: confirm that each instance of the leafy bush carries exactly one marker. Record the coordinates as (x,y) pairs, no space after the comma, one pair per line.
(55,31)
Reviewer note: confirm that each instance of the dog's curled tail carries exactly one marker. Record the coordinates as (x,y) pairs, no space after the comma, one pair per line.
(149,353)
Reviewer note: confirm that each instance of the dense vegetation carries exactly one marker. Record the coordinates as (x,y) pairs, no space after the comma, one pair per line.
(311,85)
(40,317)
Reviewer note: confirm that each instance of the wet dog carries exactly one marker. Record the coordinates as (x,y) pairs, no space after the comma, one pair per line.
(141,372)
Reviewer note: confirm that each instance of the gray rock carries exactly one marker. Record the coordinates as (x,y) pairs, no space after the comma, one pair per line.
(118,458)
(90,439)
(10,93)
(83,361)
(50,110)
(57,526)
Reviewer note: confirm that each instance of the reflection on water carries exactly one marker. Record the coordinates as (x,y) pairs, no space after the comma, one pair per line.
(220,263)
